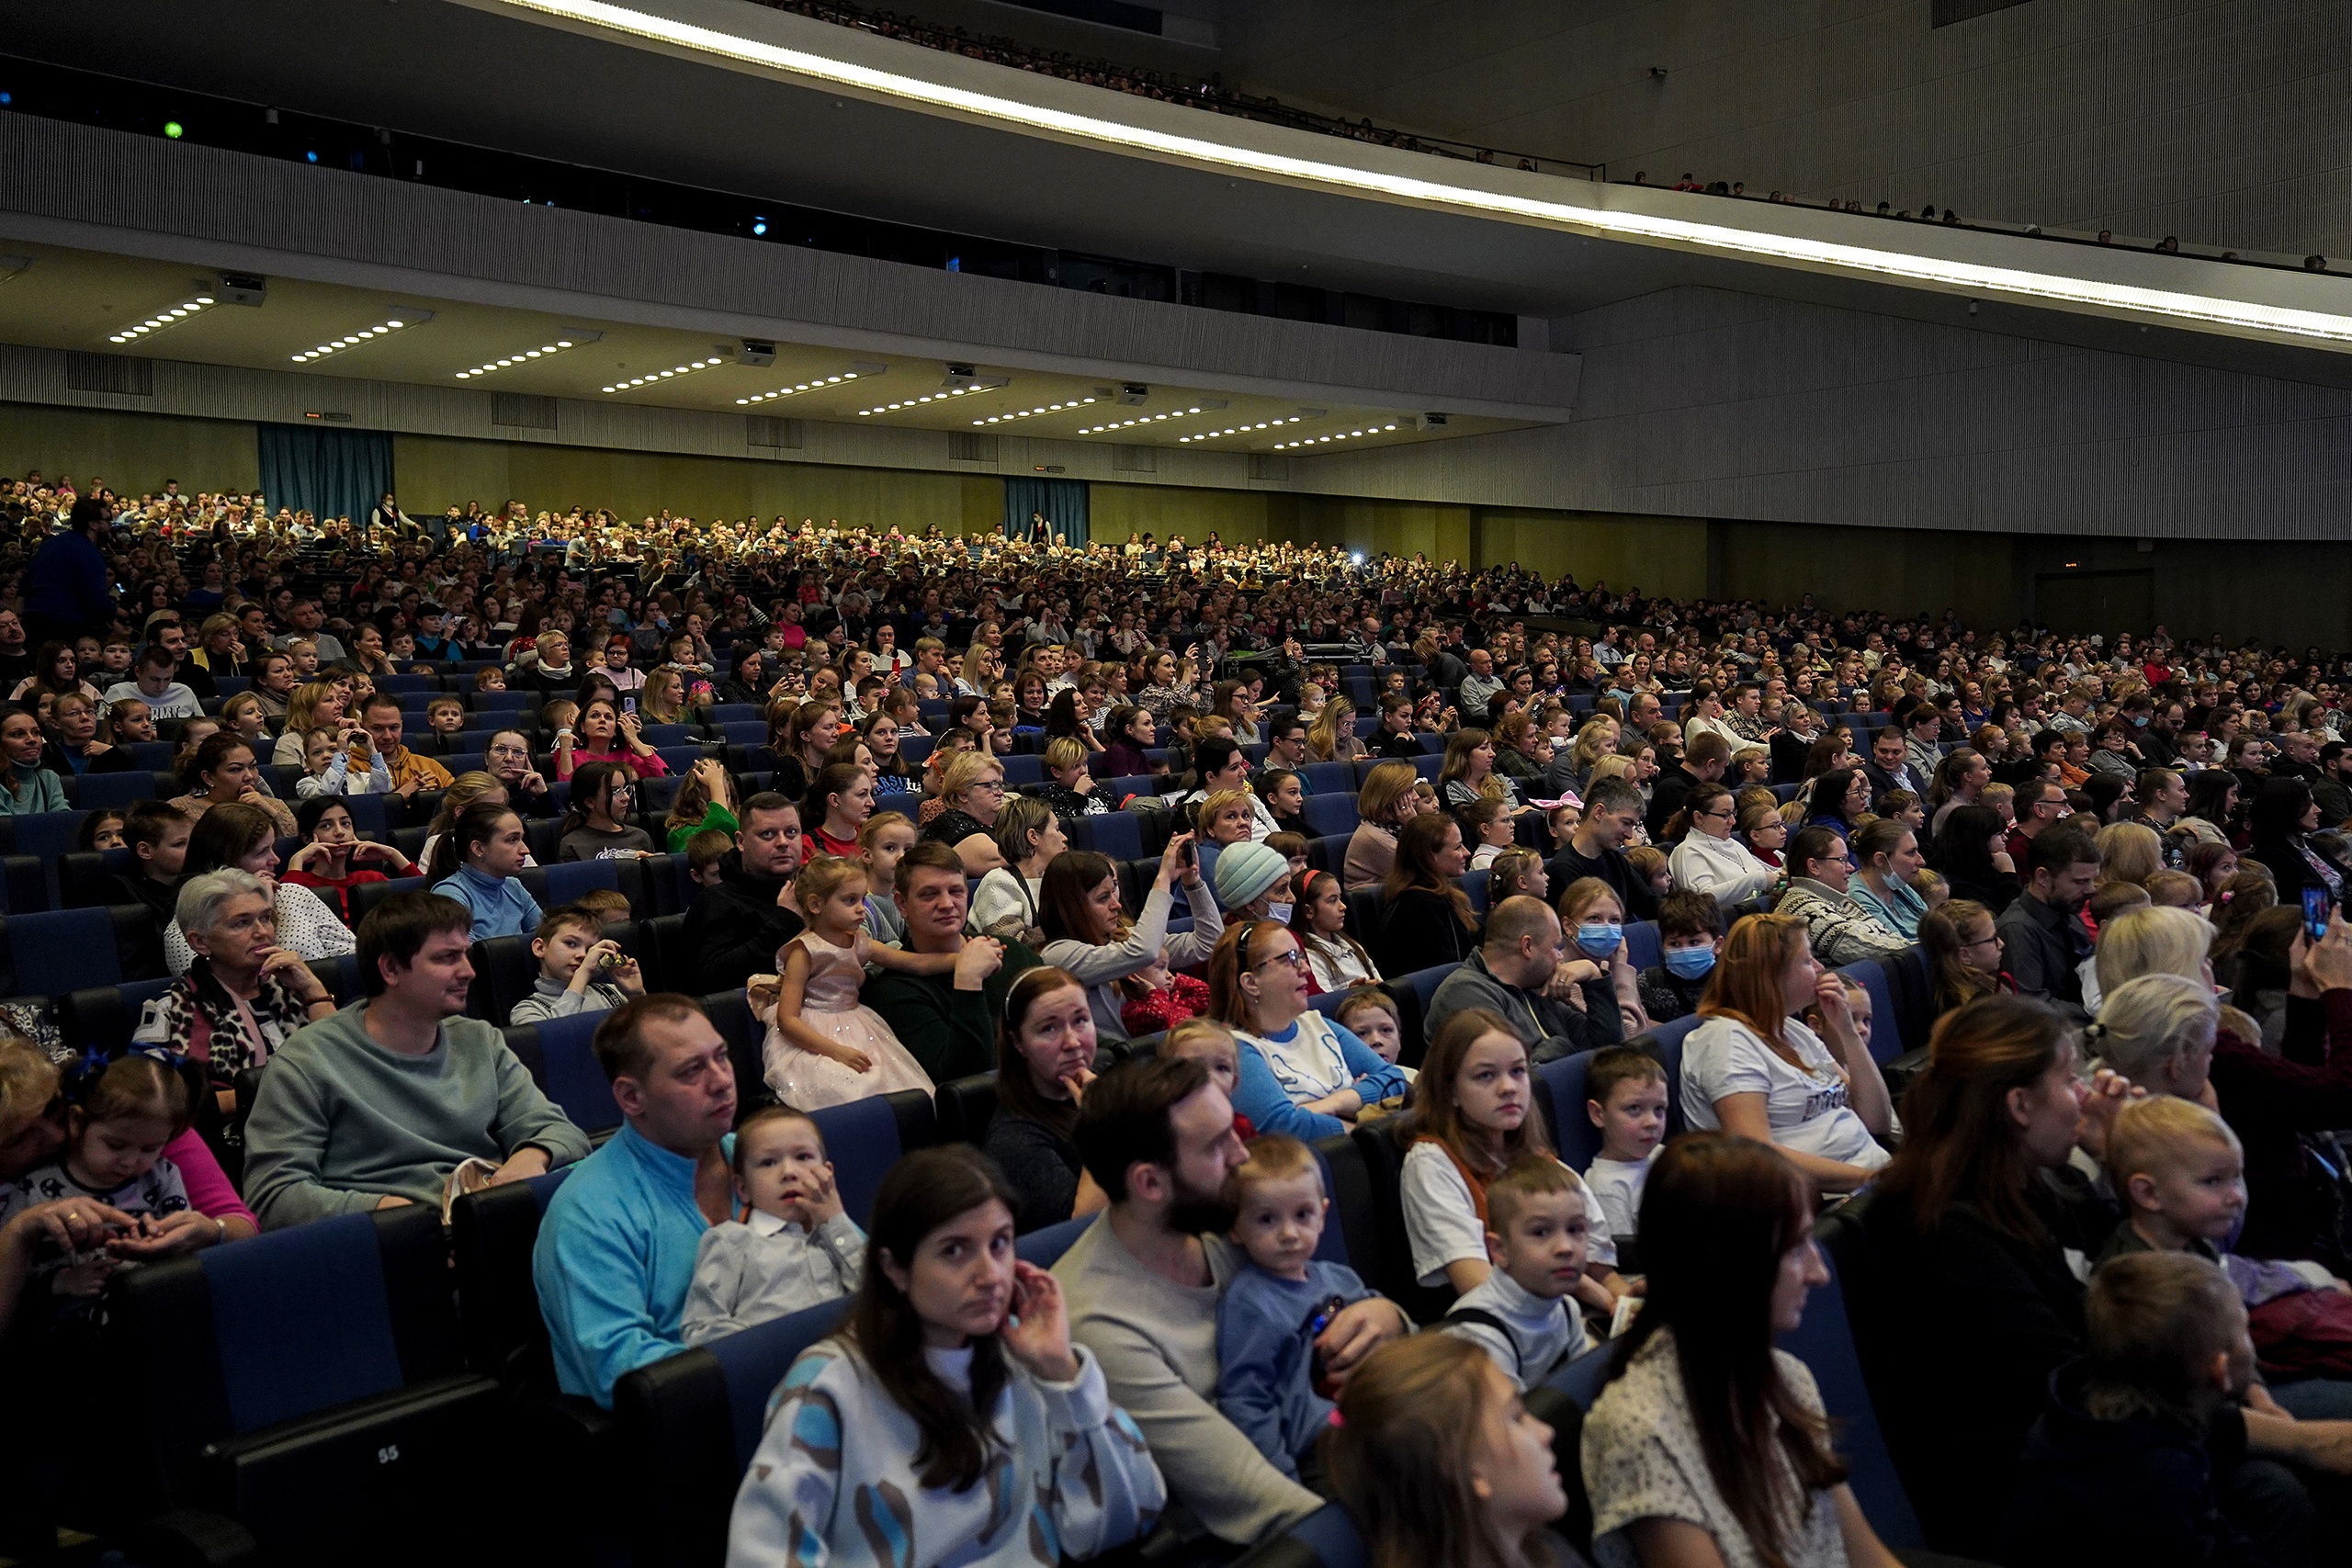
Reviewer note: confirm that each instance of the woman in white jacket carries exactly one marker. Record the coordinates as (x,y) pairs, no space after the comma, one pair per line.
(1087,934)
(1709,858)
(951,1420)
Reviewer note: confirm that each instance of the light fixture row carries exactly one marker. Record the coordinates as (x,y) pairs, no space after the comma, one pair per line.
(926,398)
(194,306)
(524,356)
(1243,429)
(1341,435)
(366,334)
(688,369)
(1141,418)
(814,384)
(1032,414)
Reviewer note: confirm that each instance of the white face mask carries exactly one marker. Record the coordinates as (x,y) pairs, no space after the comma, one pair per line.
(1278,912)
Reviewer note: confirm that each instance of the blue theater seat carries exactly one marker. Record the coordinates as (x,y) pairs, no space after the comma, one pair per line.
(865,1138)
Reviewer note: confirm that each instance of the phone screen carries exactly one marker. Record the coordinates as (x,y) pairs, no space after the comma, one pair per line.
(628,705)
(2316,911)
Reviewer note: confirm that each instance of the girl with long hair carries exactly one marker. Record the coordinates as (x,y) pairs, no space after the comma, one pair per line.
(1384,805)
(1046,1050)
(1707,1441)
(595,826)
(1426,917)
(1318,918)
(1963,953)
(952,1411)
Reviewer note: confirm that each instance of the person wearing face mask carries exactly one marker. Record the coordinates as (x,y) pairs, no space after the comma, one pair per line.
(1556,1003)
(1691,937)
(1841,930)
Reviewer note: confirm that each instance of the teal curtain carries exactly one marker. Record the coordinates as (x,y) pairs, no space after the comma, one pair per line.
(325,471)
(1062,501)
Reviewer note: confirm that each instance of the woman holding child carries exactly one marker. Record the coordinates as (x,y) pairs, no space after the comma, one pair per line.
(1301,1072)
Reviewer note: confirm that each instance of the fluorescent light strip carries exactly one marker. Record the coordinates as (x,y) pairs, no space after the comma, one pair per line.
(1244,429)
(1326,440)
(194,306)
(815,384)
(1141,418)
(926,398)
(1030,414)
(491,365)
(1965,277)
(337,345)
(651,377)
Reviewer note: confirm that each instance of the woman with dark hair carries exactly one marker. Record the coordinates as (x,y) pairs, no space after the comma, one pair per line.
(596,827)
(475,862)
(1088,935)
(2283,818)
(1425,917)
(1045,1059)
(1963,953)
(2212,809)
(1706,1441)
(951,1419)
(27,789)
(1838,797)
(1971,857)
(222,772)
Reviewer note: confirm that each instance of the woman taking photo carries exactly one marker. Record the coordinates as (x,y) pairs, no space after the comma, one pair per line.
(1709,858)
(955,1369)
(1331,738)
(972,788)
(1044,1060)
(1752,1069)
(222,772)
(597,828)
(1425,917)
(1301,1072)
(607,734)
(1088,935)
(1384,805)
(245,837)
(1708,1445)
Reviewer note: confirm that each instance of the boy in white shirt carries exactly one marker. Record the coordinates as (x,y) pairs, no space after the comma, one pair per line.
(1625,1097)
(794,1248)
(1537,1217)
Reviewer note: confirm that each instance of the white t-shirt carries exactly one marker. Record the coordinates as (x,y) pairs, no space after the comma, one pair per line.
(1808,1111)
(1441,1218)
(1616,1185)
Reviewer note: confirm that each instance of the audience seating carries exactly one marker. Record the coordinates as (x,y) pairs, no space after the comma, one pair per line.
(1825,1342)
(68,950)
(865,1138)
(309,1385)
(557,1052)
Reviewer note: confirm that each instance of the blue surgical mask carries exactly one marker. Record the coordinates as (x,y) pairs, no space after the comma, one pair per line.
(2139,721)
(1688,963)
(1599,940)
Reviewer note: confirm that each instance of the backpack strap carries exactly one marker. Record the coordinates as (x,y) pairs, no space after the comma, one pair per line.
(1486,1319)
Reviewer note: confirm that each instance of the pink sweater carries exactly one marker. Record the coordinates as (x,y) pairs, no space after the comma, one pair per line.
(209,1189)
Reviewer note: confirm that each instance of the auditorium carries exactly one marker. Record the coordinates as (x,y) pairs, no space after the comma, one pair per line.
(1175,783)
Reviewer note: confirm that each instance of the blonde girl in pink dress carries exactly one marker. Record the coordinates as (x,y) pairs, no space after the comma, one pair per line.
(823,1048)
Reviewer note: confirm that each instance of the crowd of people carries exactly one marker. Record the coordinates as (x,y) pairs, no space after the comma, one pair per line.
(2100,1258)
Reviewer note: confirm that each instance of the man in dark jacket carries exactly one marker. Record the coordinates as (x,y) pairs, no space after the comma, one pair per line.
(1708,755)
(2043,940)
(69,589)
(946,1021)
(1613,810)
(735,927)
(1507,975)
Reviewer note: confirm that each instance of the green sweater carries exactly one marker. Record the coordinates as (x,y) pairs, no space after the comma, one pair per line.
(341,1122)
(951,1033)
(717,816)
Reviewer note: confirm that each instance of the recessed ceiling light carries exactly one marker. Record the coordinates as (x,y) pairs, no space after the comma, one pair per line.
(1336,436)
(572,339)
(940,396)
(1240,429)
(1032,414)
(385,328)
(814,384)
(171,316)
(688,369)
(1141,418)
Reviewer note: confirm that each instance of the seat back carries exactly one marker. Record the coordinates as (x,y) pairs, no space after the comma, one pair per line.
(730,1014)
(65,950)
(1391,1270)
(1886,1032)
(865,1138)
(694,1420)
(491,1234)
(966,1106)
(567,1070)
(1118,834)
(1331,815)
(1823,1341)
(1560,1096)
(1325,1539)
(1643,948)
(1043,1249)
(1915,1005)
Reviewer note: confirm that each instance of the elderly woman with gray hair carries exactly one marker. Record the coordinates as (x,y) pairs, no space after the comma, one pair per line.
(2164,1032)
(243,995)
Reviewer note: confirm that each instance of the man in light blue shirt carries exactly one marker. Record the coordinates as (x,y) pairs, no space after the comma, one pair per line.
(616,1252)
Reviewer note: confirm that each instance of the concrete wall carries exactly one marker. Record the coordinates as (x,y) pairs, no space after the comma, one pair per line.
(2224,121)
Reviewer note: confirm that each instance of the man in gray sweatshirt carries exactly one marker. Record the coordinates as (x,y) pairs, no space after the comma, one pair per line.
(377,1104)
(1509,976)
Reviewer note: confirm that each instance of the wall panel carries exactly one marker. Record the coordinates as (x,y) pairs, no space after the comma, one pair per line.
(134,453)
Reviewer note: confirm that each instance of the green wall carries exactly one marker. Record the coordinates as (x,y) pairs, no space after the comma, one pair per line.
(2294,593)
(133,453)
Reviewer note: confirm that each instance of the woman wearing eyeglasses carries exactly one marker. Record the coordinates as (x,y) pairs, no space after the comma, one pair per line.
(596,827)
(1709,858)
(510,763)
(1301,1072)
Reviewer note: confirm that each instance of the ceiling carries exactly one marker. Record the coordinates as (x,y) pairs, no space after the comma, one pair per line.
(80,299)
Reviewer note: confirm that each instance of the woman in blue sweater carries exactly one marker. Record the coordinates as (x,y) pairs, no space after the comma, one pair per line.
(26,788)
(1300,1072)
(475,862)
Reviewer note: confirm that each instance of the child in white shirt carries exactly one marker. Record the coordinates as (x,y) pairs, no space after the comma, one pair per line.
(1625,1097)
(1537,1216)
(793,1248)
